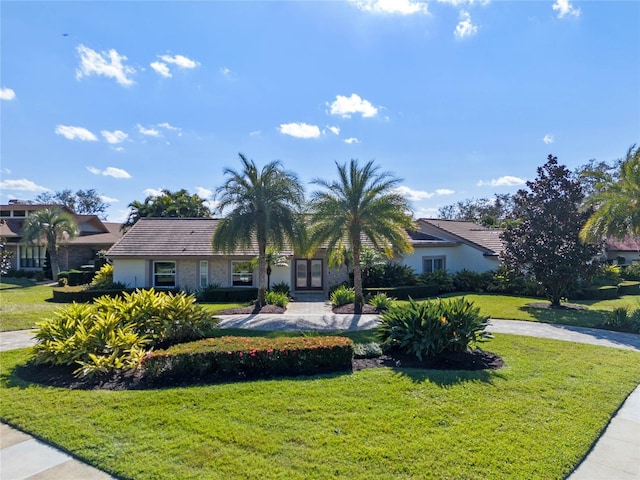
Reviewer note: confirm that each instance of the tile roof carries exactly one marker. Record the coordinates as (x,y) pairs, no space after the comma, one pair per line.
(626,245)
(486,239)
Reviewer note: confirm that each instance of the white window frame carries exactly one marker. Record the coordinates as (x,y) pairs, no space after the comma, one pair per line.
(203,273)
(433,259)
(155,274)
(242,275)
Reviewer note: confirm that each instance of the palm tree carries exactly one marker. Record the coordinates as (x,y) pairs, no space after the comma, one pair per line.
(264,209)
(617,203)
(54,224)
(362,204)
(273,258)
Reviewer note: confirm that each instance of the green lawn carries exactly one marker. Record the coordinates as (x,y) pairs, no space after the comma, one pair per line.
(23,303)
(535,419)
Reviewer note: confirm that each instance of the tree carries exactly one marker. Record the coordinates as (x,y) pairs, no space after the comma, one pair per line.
(496,213)
(83,202)
(616,200)
(273,258)
(362,204)
(545,242)
(168,204)
(52,224)
(265,206)
(5,255)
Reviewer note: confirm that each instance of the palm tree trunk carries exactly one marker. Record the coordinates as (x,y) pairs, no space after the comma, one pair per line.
(357,280)
(55,263)
(268,277)
(262,270)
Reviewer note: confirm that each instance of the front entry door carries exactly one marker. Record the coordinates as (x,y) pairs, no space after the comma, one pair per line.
(308,274)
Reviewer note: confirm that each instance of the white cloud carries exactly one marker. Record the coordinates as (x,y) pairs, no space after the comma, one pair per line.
(152,192)
(151,132)
(6,171)
(401,7)
(255,133)
(110,172)
(413,195)
(564,8)
(7,94)
(548,139)
(457,3)
(335,130)
(168,126)
(300,130)
(108,64)
(117,136)
(22,185)
(118,149)
(506,181)
(351,140)
(161,68)
(179,60)
(75,133)
(444,191)
(106,199)
(204,192)
(346,106)
(226,71)
(465,27)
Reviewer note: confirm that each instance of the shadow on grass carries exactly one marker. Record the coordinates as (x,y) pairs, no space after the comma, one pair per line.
(448,378)
(566,316)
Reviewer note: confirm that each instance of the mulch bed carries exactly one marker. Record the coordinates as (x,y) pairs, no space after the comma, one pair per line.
(62,376)
(564,306)
(349,308)
(252,310)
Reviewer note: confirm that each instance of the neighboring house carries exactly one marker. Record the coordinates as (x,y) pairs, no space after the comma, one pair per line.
(623,252)
(177,252)
(453,245)
(94,235)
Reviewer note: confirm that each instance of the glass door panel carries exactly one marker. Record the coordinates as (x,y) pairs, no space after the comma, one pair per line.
(301,274)
(316,273)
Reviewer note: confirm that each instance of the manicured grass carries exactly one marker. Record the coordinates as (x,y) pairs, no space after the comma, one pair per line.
(23,303)
(535,419)
(515,308)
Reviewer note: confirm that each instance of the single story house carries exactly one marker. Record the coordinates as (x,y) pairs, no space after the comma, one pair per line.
(94,235)
(177,252)
(623,252)
(453,245)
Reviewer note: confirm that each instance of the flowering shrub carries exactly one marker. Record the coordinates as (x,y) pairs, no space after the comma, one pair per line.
(250,357)
(427,329)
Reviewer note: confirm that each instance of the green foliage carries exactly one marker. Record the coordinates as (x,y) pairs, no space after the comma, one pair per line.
(606,292)
(216,294)
(427,329)
(381,302)
(367,350)
(629,288)
(440,279)
(403,293)
(114,333)
(496,213)
(607,275)
(83,202)
(168,204)
(282,287)
(250,357)
(342,296)
(390,274)
(622,318)
(103,277)
(631,272)
(276,298)
(469,281)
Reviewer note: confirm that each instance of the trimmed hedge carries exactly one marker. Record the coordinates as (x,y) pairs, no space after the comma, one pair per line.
(405,292)
(77,277)
(629,288)
(607,292)
(230,295)
(227,358)
(82,295)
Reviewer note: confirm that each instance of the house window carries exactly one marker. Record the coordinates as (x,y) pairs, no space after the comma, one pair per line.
(204,273)
(164,274)
(433,264)
(241,274)
(32,256)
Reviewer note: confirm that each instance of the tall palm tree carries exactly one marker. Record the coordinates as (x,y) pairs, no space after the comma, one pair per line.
(52,224)
(264,209)
(617,203)
(273,258)
(362,204)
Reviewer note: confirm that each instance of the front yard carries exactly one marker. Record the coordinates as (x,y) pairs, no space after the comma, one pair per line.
(376,423)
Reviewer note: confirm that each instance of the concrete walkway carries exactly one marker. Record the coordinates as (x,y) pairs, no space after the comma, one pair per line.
(616,455)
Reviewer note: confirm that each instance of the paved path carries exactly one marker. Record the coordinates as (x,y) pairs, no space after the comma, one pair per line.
(616,455)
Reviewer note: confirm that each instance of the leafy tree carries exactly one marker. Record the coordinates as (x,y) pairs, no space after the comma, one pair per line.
(593,173)
(362,204)
(54,224)
(83,202)
(617,202)
(496,213)
(545,242)
(168,204)
(264,209)
(5,256)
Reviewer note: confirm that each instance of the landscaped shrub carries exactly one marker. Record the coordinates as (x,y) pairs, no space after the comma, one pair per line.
(469,281)
(367,350)
(342,296)
(277,298)
(79,277)
(624,319)
(390,274)
(427,329)
(281,287)
(403,293)
(114,333)
(607,292)
(629,288)
(439,278)
(250,357)
(607,275)
(81,294)
(631,272)
(381,302)
(228,295)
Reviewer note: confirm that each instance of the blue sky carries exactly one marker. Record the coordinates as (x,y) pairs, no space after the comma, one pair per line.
(459,98)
